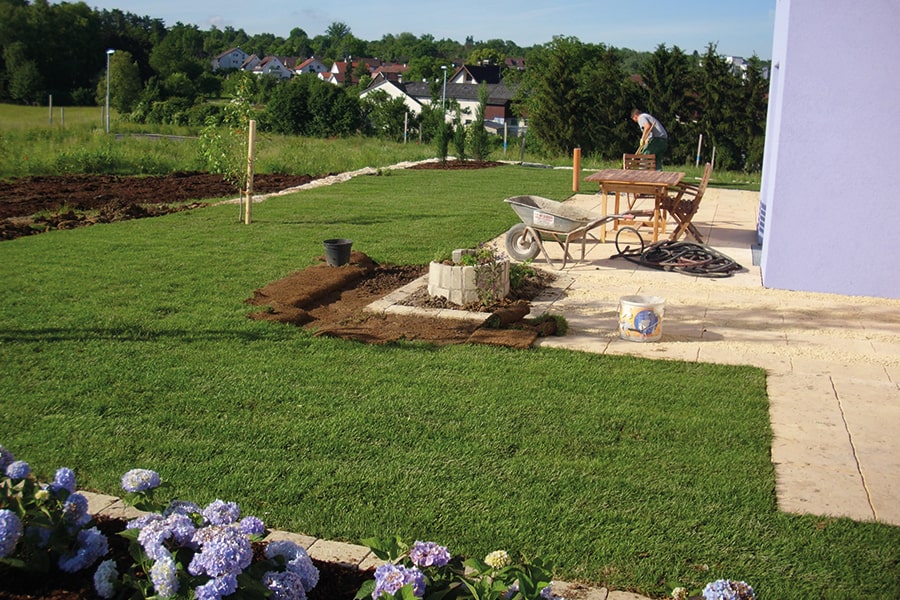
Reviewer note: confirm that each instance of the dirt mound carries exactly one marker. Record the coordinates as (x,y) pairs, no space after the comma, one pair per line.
(332,301)
(451,165)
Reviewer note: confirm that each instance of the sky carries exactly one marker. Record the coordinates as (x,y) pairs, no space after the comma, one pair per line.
(737,27)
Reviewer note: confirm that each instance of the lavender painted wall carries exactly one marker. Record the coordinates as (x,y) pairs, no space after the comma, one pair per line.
(830,193)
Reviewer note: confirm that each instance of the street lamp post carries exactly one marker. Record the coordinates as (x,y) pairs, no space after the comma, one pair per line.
(444,93)
(109,53)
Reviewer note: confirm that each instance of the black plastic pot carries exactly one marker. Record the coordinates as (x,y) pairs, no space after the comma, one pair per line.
(337,251)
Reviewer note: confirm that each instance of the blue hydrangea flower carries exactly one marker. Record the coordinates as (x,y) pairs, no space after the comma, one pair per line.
(284,585)
(429,554)
(136,481)
(63,480)
(389,579)
(726,589)
(217,587)
(105,578)
(155,531)
(298,561)
(221,513)
(251,526)
(6,458)
(223,550)
(18,469)
(75,510)
(164,575)
(10,532)
(143,521)
(181,507)
(91,545)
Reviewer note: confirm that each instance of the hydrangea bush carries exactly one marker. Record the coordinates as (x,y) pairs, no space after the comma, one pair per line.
(721,589)
(428,571)
(179,549)
(45,525)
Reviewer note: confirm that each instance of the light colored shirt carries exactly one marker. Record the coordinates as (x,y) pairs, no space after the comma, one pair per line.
(656,128)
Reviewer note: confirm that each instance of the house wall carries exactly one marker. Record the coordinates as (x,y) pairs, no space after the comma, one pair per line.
(829,202)
(232,60)
(394,92)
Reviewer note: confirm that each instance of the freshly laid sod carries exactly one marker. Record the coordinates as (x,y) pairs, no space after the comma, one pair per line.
(126,345)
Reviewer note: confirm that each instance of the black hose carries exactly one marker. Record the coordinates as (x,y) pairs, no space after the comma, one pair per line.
(682,257)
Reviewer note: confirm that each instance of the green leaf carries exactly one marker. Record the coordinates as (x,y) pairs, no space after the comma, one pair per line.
(365,590)
(386,549)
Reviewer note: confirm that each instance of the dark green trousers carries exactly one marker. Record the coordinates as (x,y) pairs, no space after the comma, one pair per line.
(658,147)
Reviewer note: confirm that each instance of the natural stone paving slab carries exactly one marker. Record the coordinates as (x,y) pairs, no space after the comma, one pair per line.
(110,506)
(338,552)
(872,413)
(299,539)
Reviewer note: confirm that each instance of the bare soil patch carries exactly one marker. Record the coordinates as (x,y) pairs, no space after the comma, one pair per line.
(31,205)
(332,300)
(454,165)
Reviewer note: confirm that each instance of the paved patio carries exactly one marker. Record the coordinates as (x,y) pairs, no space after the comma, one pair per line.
(833,362)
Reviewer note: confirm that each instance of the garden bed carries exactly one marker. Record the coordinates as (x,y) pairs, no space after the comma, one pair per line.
(331,301)
(337,581)
(31,205)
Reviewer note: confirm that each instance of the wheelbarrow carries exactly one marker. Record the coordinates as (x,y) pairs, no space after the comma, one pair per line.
(545,219)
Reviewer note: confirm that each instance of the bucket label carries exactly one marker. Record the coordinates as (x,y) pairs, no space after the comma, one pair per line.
(543,219)
(645,322)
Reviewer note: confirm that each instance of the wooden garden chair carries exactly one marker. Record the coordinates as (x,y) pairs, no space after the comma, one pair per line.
(683,205)
(638,162)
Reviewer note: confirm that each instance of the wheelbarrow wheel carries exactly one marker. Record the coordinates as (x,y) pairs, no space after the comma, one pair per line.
(520,244)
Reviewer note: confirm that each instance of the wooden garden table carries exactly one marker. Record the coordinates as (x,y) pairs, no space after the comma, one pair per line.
(621,181)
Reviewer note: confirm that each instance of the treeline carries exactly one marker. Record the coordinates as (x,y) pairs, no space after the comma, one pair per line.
(581,95)
(571,94)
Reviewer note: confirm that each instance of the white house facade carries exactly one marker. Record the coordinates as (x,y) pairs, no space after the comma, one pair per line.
(230,59)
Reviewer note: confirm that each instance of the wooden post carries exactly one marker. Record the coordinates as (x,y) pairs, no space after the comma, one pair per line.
(576,169)
(251,143)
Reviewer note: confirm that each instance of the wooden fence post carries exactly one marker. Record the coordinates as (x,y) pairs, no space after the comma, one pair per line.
(576,169)
(251,143)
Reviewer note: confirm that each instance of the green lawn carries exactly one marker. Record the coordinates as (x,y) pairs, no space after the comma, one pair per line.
(127,345)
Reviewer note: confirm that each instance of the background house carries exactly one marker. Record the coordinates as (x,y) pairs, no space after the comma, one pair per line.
(416,94)
(829,206)
(232,58)
(474,74)
(311,65)
(272,65)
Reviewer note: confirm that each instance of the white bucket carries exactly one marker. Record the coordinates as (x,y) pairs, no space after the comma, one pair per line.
(640,318)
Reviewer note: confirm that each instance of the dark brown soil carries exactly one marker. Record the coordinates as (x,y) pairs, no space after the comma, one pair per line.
(331,301)
(452,165)
(37,204)
(336,581)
